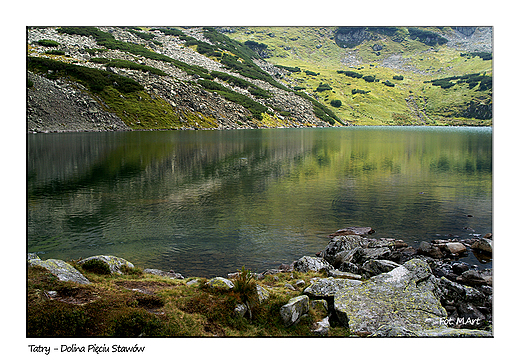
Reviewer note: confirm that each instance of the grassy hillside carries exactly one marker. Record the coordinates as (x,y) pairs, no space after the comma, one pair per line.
(386,97)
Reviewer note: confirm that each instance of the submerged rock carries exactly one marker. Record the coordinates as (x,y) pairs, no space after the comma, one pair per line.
(362,231)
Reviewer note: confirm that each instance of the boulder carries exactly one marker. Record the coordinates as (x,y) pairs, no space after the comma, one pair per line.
(335,273)
(401,298)
(374,267)
(294,310)
(220,283)
(115,263)
(340,244)
(430,250)
(476,278)
(263,294)
(455,248)
(483,244)
(322,327)
(316,264)
(64,271)
(158,272)
(328,287)
(375,253)
(241,309)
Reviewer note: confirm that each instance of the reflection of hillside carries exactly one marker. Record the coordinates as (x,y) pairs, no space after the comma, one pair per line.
(170,194)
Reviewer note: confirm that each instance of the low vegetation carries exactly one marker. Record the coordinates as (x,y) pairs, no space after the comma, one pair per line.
(137,304)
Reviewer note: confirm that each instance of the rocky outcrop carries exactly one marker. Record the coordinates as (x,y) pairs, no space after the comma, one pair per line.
(59,105)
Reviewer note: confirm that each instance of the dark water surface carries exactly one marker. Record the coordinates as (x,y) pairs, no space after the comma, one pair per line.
(206,203)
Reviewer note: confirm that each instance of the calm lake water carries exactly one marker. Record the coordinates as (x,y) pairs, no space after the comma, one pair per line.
(206,203)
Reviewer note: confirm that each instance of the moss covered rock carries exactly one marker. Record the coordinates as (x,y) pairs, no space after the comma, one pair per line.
(64,271)
(115,263)
(220,283)
(402,298)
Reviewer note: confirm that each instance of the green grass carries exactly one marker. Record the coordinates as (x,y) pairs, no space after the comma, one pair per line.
(113,306)
(296,48)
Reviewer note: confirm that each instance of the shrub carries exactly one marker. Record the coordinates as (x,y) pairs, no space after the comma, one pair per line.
(55,52)
(388,83)
(311,73)
(351,74)
(96,80)
(48,43)
(369,78)
(358,91)
(323,87)
(398,78)
(245,285)
(335,103)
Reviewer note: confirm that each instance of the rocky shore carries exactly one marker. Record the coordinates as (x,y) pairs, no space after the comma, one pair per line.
(373,287)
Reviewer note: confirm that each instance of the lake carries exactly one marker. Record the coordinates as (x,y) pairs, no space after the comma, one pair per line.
(206,203)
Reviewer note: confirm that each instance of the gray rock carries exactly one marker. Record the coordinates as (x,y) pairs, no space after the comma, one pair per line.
(455,248)
(476,278)
(263,294)
(317,304)
(328,287)
(316,264)
(340,244)
(294,310)
(377,266)
(335,273)
(241,309)
(376,253)
(402,298)
(430,250)
(484,245)
(64,271)
(159,272)
(322,327)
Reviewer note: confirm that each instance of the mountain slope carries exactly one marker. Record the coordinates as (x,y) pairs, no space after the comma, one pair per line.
(120,78)
(388,66)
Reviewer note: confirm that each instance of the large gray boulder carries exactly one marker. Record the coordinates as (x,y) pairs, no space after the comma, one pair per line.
(294,310)
(306,264)
(402,298)
(115,263)
(64,271)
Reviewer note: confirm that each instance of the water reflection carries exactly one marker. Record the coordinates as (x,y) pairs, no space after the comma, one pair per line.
(208,202)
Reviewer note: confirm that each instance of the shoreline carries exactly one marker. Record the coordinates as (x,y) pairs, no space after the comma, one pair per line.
(461,296)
